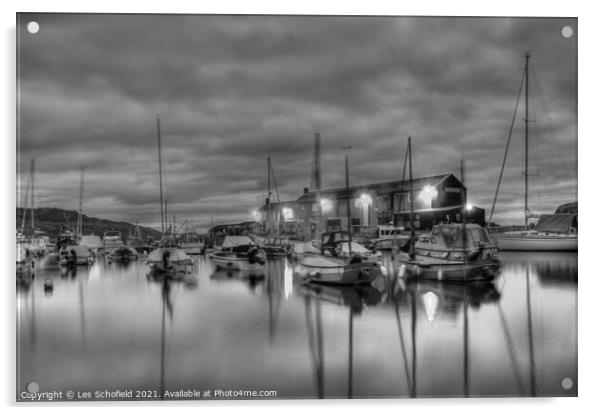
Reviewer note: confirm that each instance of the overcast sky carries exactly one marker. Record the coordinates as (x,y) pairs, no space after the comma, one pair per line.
(232,89)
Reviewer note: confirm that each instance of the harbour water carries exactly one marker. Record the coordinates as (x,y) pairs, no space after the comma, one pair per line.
(109,327)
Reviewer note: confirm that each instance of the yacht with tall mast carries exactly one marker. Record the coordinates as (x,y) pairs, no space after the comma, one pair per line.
(167,258)
(557,232)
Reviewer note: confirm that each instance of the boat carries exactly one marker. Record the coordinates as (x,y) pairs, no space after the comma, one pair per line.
(122,254)
(274,247)
(390,237)
(136,241)
(452,252)
(557,232)
(321,269)
(111,240)
(25,263)
(238,253)
(93,242)
(65,237)
(191,243)
(340,244)
(167,257)
(337,265)
(71,255)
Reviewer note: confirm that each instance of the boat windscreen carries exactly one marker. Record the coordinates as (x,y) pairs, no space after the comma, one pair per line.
(452,236)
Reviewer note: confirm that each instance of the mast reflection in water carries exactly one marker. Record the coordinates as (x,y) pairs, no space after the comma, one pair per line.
(111,327)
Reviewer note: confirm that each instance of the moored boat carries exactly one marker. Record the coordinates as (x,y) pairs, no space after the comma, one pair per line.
(452,252)
(169,259)
(91,241)
(71,255)
(557,232)
(25,263)
(111,240)
(122,254)
(238,253)
(275,246)
(191,243)
(318,268)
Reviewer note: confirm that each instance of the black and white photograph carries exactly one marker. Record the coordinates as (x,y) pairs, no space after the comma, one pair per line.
(276,207)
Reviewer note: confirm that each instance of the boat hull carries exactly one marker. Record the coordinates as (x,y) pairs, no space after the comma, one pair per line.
(479,270)
(333,271)
(530,242)
(233,263)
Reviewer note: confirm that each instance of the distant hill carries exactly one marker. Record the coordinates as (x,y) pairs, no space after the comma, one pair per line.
(50,220)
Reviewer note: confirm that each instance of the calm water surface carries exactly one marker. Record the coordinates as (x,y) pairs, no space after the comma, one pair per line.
(109,327)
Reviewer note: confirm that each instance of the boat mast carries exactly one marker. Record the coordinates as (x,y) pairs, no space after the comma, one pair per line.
(527,56)
(160,175)
(80,220)
(269,217)
(348,196)
(411,185)
(32,167)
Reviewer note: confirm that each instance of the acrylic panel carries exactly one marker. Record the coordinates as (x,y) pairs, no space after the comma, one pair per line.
(284,207)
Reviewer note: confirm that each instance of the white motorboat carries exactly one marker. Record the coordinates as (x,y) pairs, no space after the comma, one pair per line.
(169,259)
(238,253)
(452,252)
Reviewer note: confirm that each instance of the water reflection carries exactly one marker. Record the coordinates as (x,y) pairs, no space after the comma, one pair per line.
(215,329)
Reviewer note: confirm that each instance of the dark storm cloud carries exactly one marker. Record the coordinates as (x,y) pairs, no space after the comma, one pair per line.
(231,90)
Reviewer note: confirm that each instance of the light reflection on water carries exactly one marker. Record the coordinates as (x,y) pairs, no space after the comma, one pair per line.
(111,327)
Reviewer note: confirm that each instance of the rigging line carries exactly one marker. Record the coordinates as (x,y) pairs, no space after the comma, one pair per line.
(275,185)
(499,181)
(24,208)
(553,140)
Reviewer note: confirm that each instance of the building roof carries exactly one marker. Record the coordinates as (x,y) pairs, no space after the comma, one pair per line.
(277,205)
(378,188)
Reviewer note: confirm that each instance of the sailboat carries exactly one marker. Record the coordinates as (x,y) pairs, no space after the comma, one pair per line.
(557,232)
(167,258)
(339,269)
(457,252)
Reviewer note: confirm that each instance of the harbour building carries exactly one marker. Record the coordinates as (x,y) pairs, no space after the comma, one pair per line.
(436,199)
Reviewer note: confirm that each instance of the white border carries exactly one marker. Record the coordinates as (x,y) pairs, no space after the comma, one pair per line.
(589,150)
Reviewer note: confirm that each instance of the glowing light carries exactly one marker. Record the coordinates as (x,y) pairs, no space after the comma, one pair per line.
(431,301)
(326,205)
(256,215)
(468,207)
(427,194)
(287,213)
(363,201)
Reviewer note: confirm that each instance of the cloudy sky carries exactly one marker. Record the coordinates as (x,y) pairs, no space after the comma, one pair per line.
(232,89)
